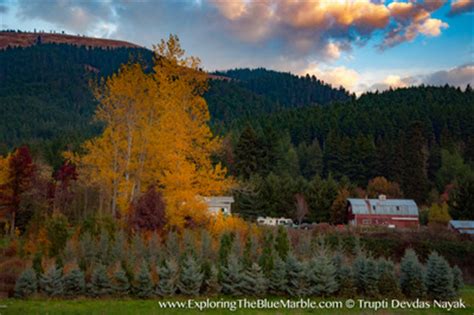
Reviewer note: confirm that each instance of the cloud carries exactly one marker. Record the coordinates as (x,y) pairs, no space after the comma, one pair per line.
(316,29)
(91,17)
(460,7)
(3,9)
(411,19)
(336,76)
(458,76)
(310,26)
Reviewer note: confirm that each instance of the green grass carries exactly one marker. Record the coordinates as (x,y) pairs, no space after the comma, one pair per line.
(132,306)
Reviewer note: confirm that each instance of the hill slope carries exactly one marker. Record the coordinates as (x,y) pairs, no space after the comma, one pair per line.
(45,97)
(26,39)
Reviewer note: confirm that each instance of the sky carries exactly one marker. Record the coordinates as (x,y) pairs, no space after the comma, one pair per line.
(359,44)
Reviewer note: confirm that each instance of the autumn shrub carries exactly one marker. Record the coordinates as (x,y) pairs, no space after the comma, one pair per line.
(147,212)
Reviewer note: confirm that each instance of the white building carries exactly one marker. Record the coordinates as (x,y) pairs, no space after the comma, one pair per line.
(274,221)
(219,204)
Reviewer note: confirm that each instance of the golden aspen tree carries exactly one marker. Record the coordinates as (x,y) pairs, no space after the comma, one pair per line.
(156,133)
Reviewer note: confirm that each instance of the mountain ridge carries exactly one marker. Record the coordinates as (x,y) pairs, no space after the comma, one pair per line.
(26,39)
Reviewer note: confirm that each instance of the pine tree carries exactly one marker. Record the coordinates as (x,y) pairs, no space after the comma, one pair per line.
(26,284)
(88,250)
(458,282)
(168,278)
(51,282)
(439,278)
(69,254)
(412,275)
(249,156)
(310,159)
(414,172)
(322,276)
(212,282)
(120,283)
(206,245)
(172,245)
(37,265)
(191,277)
(278,280)
(359,270)
(138,247)
(143,284)
(250,252)
(461,200)
(154,249)
(189,243)
(100,283)
(225,248)
(347,285)
(103,248)
(74,283)
(282,245)
(117,251)
(372,279)
(231,277)
(266,258)
(254,282)
(387,283)
(296,277)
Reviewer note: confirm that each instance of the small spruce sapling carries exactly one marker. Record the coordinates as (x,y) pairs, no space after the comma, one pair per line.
(231,277)
(51,282)
(74,283)
(26,284)
(412,276)
(278,283)
(458,282)
(100,283)
(143,283)
(120,282)
(254,282)
(438,278)
(168,278)
(191,277)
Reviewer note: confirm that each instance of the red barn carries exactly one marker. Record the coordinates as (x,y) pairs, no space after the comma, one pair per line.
(394,213)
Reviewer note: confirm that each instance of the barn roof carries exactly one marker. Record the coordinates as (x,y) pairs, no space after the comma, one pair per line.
(384,207)
(464,227)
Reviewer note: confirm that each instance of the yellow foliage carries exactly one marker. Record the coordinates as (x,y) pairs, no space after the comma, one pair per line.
(221,223)
(439,214)
(156,133)
(4,169)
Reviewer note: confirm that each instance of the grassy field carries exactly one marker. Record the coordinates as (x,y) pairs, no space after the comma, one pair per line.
(119,307)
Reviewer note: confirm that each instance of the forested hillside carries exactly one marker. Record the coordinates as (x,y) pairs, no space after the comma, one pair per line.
(45,97)
(284,135)
(421,139)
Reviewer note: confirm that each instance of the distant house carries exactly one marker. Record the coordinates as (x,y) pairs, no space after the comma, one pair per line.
(274,221)
(219,204)
(462,227)
(393,213)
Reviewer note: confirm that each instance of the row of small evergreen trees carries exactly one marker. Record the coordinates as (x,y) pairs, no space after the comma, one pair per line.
(249,268)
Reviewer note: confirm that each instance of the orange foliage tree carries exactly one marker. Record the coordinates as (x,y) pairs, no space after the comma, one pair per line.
(381,186)
(156,133)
